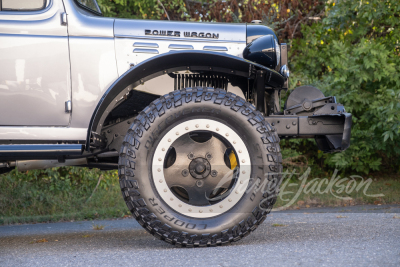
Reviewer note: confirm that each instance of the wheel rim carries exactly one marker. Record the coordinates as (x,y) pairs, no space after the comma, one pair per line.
(200,169)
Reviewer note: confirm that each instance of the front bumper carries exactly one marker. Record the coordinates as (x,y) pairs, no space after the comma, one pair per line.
(332,132)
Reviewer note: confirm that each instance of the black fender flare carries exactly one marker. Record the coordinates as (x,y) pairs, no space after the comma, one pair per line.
(172,62)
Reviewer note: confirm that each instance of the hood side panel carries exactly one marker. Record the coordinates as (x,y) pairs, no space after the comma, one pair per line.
(133,45)
(177,29)
(132,51)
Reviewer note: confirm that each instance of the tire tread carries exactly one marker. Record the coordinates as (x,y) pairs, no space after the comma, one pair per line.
(130,187)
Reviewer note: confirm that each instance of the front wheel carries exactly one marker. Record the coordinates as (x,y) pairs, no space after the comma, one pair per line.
(200,167)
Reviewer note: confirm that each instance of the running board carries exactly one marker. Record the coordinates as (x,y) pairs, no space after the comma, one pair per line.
(10,152)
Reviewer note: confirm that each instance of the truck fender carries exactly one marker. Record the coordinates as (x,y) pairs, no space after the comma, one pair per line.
(172,62)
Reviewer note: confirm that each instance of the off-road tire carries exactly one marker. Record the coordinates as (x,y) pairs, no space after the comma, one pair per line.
(138,188)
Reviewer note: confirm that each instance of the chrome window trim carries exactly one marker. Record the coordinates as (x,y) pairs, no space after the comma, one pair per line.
(89,9)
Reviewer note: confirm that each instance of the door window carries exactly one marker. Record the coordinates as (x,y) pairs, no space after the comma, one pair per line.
(22,5)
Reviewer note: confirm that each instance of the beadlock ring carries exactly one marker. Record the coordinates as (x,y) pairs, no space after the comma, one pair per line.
(237,191)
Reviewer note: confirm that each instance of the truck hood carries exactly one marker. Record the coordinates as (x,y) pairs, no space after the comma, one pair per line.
(178,30)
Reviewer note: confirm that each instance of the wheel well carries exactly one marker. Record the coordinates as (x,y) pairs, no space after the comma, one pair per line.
(114,104)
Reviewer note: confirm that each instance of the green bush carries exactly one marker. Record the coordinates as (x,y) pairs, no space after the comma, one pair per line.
(143,9)
(354,54)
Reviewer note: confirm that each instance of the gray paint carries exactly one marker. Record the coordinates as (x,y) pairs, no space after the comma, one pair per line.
(35,69)
(78,61)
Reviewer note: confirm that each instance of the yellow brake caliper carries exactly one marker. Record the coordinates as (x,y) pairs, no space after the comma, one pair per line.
(232,159)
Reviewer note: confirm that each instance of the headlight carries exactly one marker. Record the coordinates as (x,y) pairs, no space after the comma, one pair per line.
(264,50)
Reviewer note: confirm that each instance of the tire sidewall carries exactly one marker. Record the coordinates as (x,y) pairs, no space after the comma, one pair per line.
(154,128)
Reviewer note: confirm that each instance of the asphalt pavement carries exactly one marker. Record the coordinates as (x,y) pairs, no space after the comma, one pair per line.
(350,236)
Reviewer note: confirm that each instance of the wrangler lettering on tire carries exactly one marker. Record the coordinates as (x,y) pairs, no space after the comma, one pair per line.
(193,178)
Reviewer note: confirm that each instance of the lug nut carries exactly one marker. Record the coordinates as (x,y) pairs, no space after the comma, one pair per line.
(214,173)
(191,155)
(208,156)
(199,183)
(185,173)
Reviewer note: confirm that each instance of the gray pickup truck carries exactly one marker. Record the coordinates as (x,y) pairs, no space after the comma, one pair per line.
(188,113)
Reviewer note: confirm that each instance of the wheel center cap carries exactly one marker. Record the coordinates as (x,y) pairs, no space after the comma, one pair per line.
(199,168)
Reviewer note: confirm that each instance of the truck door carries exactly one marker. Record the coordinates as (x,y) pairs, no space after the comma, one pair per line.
(35,84)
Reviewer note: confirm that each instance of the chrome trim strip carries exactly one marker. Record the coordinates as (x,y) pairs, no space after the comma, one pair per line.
(73,149)
(42,133)
(148,51)
(90,37)
(215,48)
(179,39)
(151,45)
(179,46)
(32,35)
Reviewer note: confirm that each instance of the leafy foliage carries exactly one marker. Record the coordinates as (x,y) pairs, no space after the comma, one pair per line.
(144,9)
(285,16)
(354,54)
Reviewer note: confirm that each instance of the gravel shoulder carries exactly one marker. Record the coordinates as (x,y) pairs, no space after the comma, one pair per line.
(354,236)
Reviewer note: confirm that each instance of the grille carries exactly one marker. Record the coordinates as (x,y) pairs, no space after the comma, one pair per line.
(191,80)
